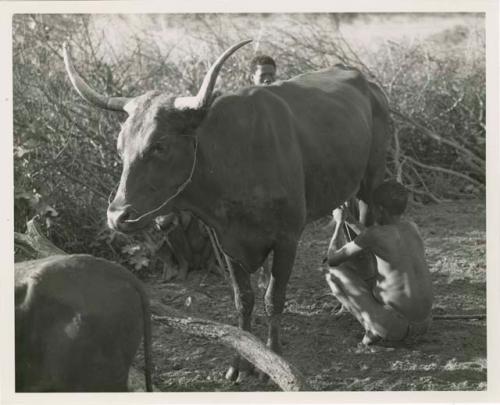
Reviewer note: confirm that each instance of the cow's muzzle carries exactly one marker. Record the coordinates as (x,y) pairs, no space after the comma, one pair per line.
(119,218)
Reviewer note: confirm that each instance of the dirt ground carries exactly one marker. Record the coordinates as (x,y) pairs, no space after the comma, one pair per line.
(452,356)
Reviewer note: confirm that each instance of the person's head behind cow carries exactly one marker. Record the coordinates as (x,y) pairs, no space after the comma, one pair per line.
(263,70)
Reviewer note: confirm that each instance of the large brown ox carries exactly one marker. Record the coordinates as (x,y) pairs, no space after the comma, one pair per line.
(256,165)
(79,322)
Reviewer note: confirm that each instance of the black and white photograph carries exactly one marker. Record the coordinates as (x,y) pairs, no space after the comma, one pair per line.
(250,201)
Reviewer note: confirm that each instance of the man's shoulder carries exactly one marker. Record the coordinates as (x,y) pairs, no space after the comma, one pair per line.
(397,227)
(371,235)
(377,235)
(410,227)
(413,235)
(381,230)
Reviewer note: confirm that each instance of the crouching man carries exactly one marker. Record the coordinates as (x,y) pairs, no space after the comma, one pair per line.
(398,304)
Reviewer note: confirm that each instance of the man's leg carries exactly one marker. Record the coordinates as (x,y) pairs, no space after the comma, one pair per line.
(378,320)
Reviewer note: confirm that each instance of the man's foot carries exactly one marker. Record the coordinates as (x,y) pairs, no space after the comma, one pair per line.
(339,310)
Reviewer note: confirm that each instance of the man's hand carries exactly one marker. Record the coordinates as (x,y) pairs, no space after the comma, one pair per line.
(339,214)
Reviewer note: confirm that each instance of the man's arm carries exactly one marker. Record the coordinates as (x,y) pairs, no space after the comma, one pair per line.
(338,239)
(336,257)
(338,251)
(354,224)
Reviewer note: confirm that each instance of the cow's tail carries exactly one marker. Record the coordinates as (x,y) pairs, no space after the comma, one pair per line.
(147,338)
(379,100)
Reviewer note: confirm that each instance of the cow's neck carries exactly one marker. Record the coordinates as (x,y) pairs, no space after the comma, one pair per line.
(202,196)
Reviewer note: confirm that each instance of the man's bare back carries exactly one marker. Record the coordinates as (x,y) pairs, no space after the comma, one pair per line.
(403,279)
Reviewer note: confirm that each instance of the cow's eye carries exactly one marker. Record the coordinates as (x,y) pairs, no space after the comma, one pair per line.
(158,149)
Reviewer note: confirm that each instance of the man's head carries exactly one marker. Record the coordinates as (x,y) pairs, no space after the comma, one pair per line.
(263,70)
(390,198)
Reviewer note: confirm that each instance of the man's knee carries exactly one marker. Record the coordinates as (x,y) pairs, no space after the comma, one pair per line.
(340,273)
(347,280)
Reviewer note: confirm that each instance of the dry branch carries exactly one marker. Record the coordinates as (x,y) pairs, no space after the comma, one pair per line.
(423,184)
(35,243)
(455,317)
(286,376)
(444,170)
(426,131)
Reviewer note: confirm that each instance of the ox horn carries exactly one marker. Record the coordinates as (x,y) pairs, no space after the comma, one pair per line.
(86,92)
(207,87)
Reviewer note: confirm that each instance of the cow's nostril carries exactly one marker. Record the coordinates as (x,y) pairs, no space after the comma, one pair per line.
(124,216)
(118,217)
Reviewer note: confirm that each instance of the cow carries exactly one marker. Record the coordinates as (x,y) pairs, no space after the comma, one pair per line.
(78,323)
(255,165)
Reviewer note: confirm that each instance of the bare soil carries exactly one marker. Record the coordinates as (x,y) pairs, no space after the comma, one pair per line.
(451,356)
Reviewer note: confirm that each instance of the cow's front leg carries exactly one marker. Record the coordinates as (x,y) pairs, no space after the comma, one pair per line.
(283,259)
(244,301)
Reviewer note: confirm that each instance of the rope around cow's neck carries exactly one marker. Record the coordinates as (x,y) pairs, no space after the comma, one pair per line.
(111,193)
(179,190)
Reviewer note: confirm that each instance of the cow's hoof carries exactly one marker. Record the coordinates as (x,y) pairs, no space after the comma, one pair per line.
(339,311)
(370,338)
(237,373)
(243,375)
(232,374)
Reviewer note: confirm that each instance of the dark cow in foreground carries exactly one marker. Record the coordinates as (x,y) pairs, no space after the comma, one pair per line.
(79,322)
(256,165)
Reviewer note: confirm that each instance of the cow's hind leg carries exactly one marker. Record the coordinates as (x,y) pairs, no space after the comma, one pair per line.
(365,195)
(375,170)
(244,300)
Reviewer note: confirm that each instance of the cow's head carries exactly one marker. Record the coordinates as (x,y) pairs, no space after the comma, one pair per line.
(157,145)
